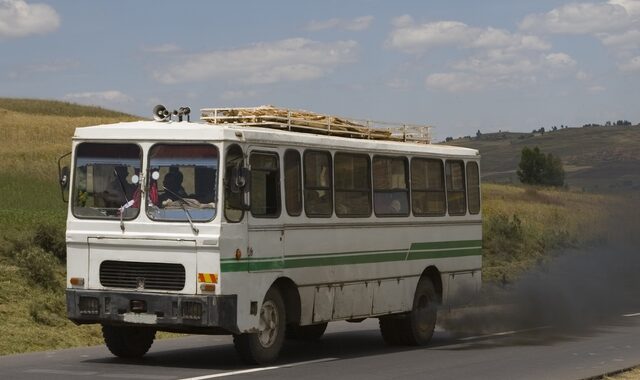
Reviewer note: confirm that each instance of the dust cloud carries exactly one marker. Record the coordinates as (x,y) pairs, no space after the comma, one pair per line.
(578,290)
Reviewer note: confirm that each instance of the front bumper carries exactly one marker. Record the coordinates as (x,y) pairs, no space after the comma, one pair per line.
(169,312)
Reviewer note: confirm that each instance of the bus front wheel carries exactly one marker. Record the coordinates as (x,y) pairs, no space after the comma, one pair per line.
(264,346)
(128,342)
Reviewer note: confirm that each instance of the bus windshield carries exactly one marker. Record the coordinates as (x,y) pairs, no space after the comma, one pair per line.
(182,182)
(106,181)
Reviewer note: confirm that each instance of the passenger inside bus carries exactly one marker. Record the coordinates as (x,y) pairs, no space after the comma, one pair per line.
(172,184)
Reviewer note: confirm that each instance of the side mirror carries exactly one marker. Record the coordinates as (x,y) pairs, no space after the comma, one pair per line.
(64,176)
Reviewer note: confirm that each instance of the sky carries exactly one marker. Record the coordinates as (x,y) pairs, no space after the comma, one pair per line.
(460,66)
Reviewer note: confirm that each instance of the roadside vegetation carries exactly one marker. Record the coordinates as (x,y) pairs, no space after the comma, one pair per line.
(523,226)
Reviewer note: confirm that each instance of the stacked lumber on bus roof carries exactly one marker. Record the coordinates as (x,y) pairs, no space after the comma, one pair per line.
(311,122)
(294,120)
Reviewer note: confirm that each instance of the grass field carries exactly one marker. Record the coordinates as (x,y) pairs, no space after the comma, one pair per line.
(522,226)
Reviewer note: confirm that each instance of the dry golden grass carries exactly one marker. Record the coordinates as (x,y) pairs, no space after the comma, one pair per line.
(31,144)
(633,374)
(523,226)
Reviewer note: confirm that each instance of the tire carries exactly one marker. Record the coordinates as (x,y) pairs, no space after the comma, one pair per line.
(129,342)
(310,332)
(416,327)
(264,346)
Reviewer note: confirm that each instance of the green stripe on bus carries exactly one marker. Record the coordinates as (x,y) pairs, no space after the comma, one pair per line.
(418,251)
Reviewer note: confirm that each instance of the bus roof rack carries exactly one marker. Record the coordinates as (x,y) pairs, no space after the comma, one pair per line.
(311,122)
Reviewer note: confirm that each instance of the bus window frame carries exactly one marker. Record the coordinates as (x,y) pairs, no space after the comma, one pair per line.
(477,170)
(464,187)
(369,181)
(278,187)
(406,190)
(300,191)
(443,191)
(306,188)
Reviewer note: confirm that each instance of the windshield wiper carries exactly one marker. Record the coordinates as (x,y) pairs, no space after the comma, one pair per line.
(182,203)
(124,192)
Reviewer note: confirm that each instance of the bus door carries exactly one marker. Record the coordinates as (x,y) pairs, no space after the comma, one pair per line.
(266,231)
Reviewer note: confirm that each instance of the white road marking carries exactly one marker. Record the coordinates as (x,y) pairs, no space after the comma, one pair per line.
(631,315)
(62,372)
(261,369)
(503,333)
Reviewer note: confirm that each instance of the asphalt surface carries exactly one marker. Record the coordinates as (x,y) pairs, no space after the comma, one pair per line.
(355,351)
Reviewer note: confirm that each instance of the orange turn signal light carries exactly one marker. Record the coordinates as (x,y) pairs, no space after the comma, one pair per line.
(76,281)
(208,287)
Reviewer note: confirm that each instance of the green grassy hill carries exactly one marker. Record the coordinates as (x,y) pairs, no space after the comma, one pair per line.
(600,159)
(522,226)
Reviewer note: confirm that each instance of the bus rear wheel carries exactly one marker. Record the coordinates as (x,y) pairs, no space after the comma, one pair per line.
(128,342)
(264,346)
(416,327)
(310,332)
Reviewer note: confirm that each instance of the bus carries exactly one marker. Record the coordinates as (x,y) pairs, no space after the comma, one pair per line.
(266,224)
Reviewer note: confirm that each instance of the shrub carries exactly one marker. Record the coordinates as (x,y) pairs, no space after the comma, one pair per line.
(536,168)
(38,265)
(51,238)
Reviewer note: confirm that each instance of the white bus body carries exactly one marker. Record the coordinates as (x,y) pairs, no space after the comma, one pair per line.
(207,268)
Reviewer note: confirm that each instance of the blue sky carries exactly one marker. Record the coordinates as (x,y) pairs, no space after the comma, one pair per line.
(457,65)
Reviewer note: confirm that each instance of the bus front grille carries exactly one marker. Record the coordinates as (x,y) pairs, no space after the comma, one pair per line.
(138,275)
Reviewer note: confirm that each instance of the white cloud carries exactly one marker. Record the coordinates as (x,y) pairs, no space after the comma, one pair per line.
(162,49)
(456,82)
(410,37)
(356,24)
(20,19)
(628,40)
(579,18)
(99,97)
(632,65)
(294,59)
(560,60)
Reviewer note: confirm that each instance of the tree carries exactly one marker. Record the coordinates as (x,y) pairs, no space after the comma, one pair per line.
(478,135)
(536,168)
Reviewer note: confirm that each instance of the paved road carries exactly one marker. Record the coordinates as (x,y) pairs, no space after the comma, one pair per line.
(354,351)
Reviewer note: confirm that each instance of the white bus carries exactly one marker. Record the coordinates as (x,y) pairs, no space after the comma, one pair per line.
(266,227)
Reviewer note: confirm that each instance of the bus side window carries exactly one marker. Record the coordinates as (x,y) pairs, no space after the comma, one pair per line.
(293,182)
(456,198)
(318,189)
(265,185)
(233,196)
(352,185)
(427,187)
(390,186)
(473,184)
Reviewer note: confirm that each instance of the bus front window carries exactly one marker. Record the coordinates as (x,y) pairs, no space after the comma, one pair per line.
(182,182)
(106,181)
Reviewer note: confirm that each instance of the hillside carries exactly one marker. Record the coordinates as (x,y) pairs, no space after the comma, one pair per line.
(600,159)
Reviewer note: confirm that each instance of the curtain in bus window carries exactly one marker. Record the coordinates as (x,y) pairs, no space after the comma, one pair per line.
(292,182)
(318,197)
(427,187)
(473,182)
(265,185)
(352,185)
(456,198)
(390,186)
